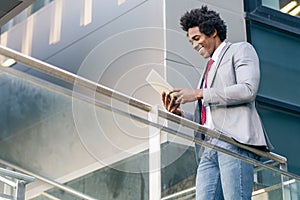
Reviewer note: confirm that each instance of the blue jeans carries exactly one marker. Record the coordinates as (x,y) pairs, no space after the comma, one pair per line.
(220,176)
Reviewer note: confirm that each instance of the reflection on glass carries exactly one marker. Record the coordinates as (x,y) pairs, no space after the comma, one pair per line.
(288,7)
(274,186)
(292,189)
(296,11)
(178,178)
(178,170)
(291,7)
(267,184)
(108,183)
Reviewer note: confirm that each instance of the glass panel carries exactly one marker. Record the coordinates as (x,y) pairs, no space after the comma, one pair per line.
(291,7)
(5,189)
(52,133)
(178,171)
(178,177)
(292,189)
(55,194)
(267,185)
(43,197)
(275,186)
(179,166)
(55,134)
(271,4)
(108,183)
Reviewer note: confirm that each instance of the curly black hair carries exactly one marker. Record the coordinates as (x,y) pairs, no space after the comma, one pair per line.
(206,20)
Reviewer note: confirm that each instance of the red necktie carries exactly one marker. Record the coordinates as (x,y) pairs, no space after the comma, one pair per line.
(203,110)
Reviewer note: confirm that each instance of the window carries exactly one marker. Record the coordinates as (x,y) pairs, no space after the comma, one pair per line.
(280,14)
(291,7)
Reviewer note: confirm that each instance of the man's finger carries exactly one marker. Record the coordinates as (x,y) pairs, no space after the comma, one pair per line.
(174,108)
(163,96)
(171,103)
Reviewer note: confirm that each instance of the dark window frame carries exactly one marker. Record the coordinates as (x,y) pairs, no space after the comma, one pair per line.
(279,106)
(255,11)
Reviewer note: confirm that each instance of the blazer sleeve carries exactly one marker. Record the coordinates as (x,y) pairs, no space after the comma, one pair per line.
(188,115)
(245,66)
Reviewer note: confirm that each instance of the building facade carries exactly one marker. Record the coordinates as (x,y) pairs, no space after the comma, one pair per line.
(116,44)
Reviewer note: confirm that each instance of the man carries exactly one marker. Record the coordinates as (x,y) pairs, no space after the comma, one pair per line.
(226,98)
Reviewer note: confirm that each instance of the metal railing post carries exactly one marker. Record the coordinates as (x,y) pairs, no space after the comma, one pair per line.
(153,121)
(17,183)
(285,193)
(20,190)
(154,157)
(45,180)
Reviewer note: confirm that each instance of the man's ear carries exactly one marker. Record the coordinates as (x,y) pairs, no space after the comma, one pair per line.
(215,33)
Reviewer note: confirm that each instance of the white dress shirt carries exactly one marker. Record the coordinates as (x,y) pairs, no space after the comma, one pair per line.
(215,57)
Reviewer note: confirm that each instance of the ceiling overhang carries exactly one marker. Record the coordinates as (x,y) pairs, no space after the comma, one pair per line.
(11,8)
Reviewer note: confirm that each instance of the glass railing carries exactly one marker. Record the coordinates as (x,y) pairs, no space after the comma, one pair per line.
(102,144)
(268,185)
(13,184)
(43,103)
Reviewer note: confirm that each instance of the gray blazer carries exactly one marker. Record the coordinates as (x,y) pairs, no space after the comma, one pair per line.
(232,87)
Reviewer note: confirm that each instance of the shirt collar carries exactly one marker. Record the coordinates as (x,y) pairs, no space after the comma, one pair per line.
(217,52)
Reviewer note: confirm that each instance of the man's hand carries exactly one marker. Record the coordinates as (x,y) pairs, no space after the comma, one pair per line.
(185,95)
(170,104)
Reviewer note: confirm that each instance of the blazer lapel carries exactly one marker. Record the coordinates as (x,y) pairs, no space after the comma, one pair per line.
(200,83)
(215,66)
(201,80)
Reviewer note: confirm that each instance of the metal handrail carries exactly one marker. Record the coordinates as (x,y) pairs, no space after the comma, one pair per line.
(16,175)
(217,134)
(17,181)
(192,190)
(72,78)
(47,180)
(163,128)
(8,181)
